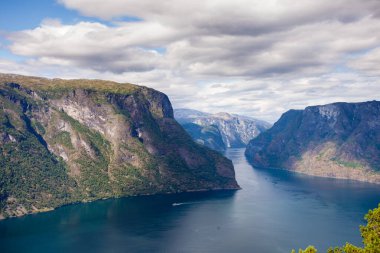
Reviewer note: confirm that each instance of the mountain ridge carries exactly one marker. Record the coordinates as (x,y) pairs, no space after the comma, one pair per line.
(66,141)
(339,140)
(228,130)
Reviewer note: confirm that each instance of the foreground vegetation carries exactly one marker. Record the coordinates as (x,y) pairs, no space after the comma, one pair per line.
(370,234)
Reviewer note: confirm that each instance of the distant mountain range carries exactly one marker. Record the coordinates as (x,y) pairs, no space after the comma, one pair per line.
(221,130)
(340,140)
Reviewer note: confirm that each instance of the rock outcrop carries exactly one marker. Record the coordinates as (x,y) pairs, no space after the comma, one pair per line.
(221,130)
(209,136)
(339,140)
(65,141)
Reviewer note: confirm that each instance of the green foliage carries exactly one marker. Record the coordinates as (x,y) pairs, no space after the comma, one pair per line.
(370,234)
(309,249)
(38,126)
(348,164)
(129,180)
(94,179)
(29,174)
(349,248)
(32,178)
(335,250)
(98,143)
(57,87)
(63,138)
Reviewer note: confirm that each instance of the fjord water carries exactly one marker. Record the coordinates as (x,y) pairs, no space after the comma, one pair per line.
(274,212)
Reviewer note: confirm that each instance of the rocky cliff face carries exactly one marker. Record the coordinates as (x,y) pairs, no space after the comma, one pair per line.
(65,141)
(340,140)
(209,136)
(229,130)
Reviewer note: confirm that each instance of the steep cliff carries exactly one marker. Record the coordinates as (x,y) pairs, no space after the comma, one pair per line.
(208,136)
(65,141)
(235,131)
(340,140)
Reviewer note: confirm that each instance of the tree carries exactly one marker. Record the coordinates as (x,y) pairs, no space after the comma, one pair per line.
(309,249)
(334,250)
(370,234)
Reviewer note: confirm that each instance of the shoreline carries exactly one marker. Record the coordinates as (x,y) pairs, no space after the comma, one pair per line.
(45,210)
(307,173)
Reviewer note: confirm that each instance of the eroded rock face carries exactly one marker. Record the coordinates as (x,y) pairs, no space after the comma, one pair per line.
(209,136)
(81,140)
(221,130)
(340,140)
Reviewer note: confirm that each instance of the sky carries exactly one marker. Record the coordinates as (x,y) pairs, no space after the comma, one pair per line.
(251,57)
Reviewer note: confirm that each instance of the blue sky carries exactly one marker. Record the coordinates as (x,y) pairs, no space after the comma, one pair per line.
(23,14)
(258,58)
(18,15)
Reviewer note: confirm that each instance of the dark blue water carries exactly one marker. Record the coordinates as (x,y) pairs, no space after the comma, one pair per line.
(274,212)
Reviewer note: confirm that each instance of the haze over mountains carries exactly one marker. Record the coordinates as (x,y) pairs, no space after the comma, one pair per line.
(220,130)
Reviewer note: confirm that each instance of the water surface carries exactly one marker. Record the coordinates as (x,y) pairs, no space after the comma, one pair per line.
(274,212)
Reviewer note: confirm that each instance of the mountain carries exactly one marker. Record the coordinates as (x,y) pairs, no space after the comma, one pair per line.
(221,130)
(339,140)
(209,136)
(66,141)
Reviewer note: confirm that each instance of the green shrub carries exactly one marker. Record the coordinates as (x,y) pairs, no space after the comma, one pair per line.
(370,234)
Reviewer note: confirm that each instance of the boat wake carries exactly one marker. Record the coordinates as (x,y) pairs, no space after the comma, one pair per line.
(184,203)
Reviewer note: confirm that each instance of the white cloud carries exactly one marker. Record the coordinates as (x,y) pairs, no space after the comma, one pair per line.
(368,63)
(245,56)
(238,15)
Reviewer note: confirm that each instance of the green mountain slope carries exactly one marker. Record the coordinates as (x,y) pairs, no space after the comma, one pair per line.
(65,141)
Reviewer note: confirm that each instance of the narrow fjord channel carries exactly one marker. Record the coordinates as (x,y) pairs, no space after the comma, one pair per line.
(274,212)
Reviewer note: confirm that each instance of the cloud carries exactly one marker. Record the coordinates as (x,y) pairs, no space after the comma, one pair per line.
(367,63)
(245,56)
(130,47)
(268,98)
(234,17)
(93,45)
